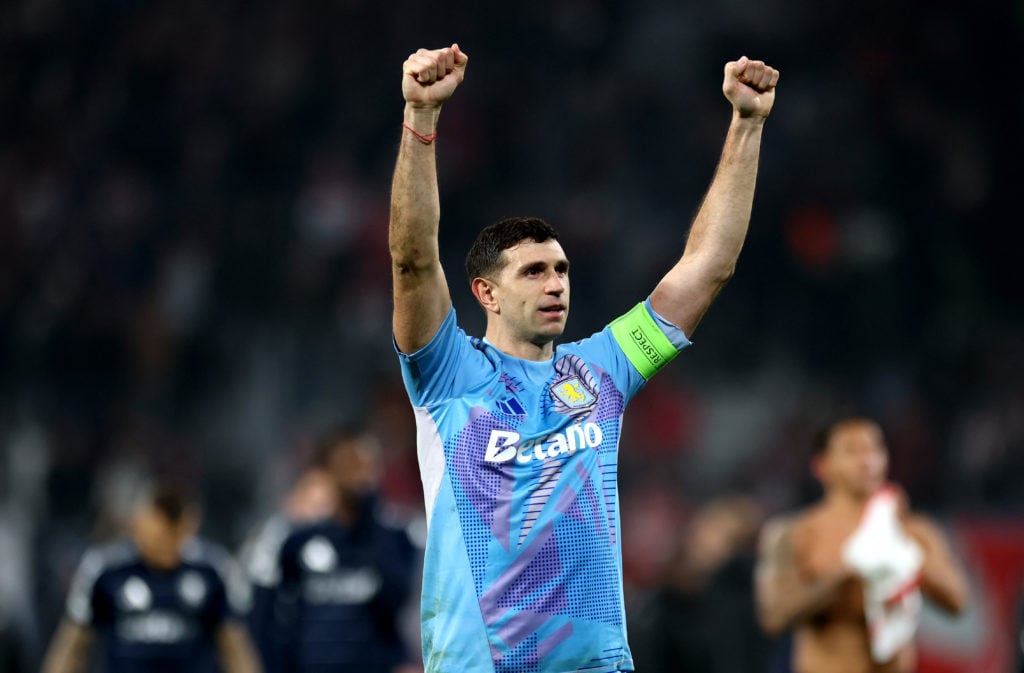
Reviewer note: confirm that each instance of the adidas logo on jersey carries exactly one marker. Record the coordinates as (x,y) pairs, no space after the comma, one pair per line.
(504,445)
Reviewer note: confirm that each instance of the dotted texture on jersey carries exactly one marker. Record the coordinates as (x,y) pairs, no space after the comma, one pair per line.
(558,561)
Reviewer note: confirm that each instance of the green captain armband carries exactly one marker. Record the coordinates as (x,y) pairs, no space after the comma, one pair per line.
(643,342)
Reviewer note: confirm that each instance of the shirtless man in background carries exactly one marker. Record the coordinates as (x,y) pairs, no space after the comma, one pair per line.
(810,580)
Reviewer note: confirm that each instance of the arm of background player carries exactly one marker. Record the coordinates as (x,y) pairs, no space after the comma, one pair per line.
(421,295)
(235,649)
(720,226)
(69,649)
(783,596)
(942,579)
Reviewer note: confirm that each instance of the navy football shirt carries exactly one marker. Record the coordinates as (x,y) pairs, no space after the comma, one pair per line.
(152,621)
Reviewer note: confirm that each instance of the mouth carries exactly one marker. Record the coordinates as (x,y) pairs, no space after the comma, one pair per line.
(554,311)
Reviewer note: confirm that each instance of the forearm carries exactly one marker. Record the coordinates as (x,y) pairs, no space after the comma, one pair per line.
(720,226)
(790,603)
(415,203)
(718,230)
(69,651)
(943,583)
(237,654)
(942,579)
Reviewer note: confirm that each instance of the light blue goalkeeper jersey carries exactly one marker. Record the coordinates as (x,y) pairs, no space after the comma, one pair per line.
(523,565)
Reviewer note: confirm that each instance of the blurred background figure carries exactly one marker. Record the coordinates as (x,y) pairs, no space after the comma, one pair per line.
(847,574)
(337,589)
(161,602)
(312,497)
(701,618)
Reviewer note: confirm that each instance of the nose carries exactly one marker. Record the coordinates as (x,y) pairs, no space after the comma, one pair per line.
(556,284)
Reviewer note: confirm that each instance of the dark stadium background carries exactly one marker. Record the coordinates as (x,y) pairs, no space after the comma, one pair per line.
(194,276)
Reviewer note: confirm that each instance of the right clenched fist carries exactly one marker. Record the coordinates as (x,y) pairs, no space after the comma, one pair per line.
(429,77)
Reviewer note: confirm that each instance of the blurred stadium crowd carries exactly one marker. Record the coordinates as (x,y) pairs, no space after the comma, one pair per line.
(194,277)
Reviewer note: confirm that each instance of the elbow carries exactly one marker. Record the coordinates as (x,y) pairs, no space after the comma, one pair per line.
(406,265)
(411,260)
(772,627)
(954,601)
(958,601)
(723,274)
(772,622)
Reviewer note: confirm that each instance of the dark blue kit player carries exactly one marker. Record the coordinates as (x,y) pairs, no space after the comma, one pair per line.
(160,602)
(341,583)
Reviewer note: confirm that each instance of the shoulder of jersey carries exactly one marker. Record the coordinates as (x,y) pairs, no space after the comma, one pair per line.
(300,533)
(96,562)
(201,552)
(109,557)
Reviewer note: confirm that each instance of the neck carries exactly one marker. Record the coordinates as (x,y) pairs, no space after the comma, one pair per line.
(518,347)
(846,501)
(349,509)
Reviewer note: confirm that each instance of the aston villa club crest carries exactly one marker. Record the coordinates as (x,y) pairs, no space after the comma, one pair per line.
(574,389)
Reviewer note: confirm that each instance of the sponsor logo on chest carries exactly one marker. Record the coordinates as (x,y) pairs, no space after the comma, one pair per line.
(503,446)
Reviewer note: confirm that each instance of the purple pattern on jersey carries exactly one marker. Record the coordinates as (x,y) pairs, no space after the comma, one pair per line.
(488,486)
(533,590)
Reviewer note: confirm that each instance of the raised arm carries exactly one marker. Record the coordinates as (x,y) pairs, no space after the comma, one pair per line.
(421,296)
(720,226)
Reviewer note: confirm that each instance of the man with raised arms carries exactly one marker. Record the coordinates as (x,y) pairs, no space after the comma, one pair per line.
(518,439)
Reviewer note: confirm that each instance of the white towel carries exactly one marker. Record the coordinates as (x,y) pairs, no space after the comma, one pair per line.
(889,564)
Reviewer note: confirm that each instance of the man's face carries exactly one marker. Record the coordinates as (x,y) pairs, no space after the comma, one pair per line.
(856,459)
(354,464)
(158,539)
(532,290)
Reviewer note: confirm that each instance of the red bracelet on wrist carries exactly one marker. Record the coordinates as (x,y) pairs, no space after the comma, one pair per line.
(426,140)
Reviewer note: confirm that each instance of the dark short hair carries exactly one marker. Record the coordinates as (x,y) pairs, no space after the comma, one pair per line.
(484,258)
(823,437)
(334,437)
(171,500)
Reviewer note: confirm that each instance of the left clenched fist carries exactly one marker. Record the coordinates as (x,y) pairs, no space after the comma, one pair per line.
(750,87)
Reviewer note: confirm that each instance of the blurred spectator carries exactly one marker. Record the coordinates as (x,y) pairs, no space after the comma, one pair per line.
(311,498)
(159,602)
(339,584)
(847,574)
(701,617)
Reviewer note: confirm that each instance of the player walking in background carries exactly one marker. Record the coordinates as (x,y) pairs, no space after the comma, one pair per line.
(163,602)
(848,573)
(312,497)
(518,440)
(339,583)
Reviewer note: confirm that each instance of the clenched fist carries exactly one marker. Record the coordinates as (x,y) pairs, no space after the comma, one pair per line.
(750,87)
(429,77)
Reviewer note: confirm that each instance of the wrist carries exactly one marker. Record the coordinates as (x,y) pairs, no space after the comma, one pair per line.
(743,119)
(746,126)
(421,119)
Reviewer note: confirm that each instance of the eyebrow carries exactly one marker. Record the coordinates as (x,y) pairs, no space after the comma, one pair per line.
(560,265)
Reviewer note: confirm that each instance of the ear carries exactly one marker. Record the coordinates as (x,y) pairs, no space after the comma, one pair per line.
(818,468)
(189,525)
(484,291)
(135,522)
